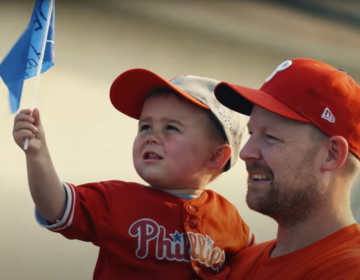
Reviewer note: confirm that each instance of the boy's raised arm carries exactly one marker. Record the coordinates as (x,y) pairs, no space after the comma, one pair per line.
(46,189)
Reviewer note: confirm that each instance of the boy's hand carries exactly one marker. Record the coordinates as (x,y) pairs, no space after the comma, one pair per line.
(27,126)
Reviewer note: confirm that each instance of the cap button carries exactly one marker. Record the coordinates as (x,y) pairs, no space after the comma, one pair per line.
(342,70)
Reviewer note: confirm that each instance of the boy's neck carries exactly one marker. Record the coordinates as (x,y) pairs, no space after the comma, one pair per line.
(196,192)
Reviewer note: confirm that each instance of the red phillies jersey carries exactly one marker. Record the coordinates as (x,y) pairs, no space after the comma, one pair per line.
(336,257)
(145,233)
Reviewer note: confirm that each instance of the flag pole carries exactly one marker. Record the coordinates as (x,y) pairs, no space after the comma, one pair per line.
(37,78)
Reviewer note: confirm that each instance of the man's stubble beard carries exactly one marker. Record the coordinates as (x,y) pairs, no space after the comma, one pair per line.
(294,200)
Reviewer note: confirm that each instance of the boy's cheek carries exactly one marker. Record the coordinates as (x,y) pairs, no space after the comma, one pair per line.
(137,145)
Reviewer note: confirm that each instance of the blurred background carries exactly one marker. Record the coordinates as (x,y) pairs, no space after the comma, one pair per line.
(235,41)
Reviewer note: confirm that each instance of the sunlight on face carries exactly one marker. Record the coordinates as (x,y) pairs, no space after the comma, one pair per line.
(172,146)
(283,170)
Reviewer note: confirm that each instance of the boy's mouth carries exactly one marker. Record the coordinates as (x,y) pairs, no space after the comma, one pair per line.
(150,155)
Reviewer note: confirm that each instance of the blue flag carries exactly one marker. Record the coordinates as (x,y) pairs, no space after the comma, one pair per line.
(22,61)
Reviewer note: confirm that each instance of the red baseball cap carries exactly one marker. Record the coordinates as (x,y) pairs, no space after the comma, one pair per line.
(129,91)
(304,90)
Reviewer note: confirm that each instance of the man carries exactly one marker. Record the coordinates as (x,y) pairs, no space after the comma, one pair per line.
(301,157)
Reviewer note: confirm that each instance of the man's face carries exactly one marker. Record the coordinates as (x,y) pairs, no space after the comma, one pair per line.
(283,167)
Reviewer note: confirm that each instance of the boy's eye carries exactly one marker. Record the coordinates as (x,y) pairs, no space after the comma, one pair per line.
(145,127)
(171,127)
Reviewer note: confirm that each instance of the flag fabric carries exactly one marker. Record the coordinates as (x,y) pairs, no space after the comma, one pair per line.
(22,61)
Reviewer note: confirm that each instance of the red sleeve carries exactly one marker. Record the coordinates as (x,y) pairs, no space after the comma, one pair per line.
(250,238)
(87,212)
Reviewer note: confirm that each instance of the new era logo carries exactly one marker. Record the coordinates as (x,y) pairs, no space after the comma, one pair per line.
(327,115)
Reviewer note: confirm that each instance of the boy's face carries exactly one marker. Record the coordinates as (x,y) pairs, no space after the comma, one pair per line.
(173,143)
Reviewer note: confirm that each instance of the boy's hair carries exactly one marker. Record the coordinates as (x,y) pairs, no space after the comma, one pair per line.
(214,126)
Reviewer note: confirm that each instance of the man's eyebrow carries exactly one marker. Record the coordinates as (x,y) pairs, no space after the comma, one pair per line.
(262,128)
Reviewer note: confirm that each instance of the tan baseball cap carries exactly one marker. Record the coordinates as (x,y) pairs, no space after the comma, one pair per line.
(129,90)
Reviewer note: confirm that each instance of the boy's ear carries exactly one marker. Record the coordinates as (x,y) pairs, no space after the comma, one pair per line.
(336,153)
(219,157)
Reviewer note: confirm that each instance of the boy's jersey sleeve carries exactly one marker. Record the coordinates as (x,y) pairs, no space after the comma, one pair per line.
(243,232)
(250,238)
(86,215)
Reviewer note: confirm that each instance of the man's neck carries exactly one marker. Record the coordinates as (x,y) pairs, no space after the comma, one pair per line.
(313,230)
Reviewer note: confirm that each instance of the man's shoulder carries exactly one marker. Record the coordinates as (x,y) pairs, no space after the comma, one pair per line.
(344,264)
(346,253)
(339,258)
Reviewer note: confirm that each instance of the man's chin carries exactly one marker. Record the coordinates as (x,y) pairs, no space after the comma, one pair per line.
(253,206)
(254,202)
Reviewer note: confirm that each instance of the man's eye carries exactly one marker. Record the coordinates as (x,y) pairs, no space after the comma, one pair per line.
(145,127)
(171,127)
(269,137)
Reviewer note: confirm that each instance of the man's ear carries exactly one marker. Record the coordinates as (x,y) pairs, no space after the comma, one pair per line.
(219,157)
(337,151)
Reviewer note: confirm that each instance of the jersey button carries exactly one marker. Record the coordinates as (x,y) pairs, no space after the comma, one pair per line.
(192,223)
(192,208)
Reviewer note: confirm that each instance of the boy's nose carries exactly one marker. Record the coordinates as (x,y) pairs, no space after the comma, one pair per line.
(152,138)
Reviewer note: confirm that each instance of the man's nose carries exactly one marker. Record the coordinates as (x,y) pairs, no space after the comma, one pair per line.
(251,150)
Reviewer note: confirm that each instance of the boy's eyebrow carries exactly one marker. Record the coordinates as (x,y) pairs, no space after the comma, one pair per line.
(163,119)
(145,120)
(173,121)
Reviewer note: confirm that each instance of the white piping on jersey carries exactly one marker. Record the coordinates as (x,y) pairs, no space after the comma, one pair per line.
(70,209)
(71,199)
(249,239)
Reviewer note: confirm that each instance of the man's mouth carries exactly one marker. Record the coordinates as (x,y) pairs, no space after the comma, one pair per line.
(258,177)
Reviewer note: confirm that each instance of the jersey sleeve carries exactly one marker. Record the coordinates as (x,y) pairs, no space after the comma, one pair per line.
(87,213)
(249,238)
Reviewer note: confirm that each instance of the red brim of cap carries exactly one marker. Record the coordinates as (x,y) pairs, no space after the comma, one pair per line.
(242,100)
(129,90)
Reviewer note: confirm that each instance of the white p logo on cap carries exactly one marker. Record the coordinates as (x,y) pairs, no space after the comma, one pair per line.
(286,64)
